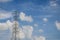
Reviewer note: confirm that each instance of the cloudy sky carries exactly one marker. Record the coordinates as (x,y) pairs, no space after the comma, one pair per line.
(37,19)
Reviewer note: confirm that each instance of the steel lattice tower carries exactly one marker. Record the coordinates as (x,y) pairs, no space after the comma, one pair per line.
(15,26)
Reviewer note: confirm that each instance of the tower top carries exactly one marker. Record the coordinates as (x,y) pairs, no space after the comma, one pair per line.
(15,26)
(15,15)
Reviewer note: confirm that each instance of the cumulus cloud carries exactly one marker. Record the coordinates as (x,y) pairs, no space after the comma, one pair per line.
(53,3)
(36,25)
(5,0)
(41,30)
(57,25)
(5,26)
(10,25)
(20,34)
(45,19)
(5,14)
(24,32)
(28,31)
(23,17)
(40,38)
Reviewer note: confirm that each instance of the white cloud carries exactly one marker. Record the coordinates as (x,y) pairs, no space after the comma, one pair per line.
(36,25)
(10,25)
(41,30)
(21,34)
(25,32)
(40,38)
(57,25)
(5,26)
(53,3)
(45,19)
(23,17)
(5,14)
(5,0)
(28,31)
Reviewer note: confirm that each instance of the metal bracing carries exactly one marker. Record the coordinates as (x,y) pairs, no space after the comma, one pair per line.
(15,26)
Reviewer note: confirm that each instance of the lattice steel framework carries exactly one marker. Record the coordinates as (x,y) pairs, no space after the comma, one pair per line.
(15,26)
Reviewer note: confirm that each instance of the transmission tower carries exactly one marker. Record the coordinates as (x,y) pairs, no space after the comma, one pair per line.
(15,30)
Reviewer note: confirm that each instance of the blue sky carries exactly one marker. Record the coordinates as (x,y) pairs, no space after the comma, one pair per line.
(38,19)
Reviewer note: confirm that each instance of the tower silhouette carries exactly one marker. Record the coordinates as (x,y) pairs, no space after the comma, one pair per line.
(15,26)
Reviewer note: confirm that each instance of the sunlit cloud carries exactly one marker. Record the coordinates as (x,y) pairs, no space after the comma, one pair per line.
(23,17)
(53,3)
(28,31)
(36,25)
(40,38)
(6,25)
(5,14)
(20,34)
(5,0)
(57,25)
(45,19)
